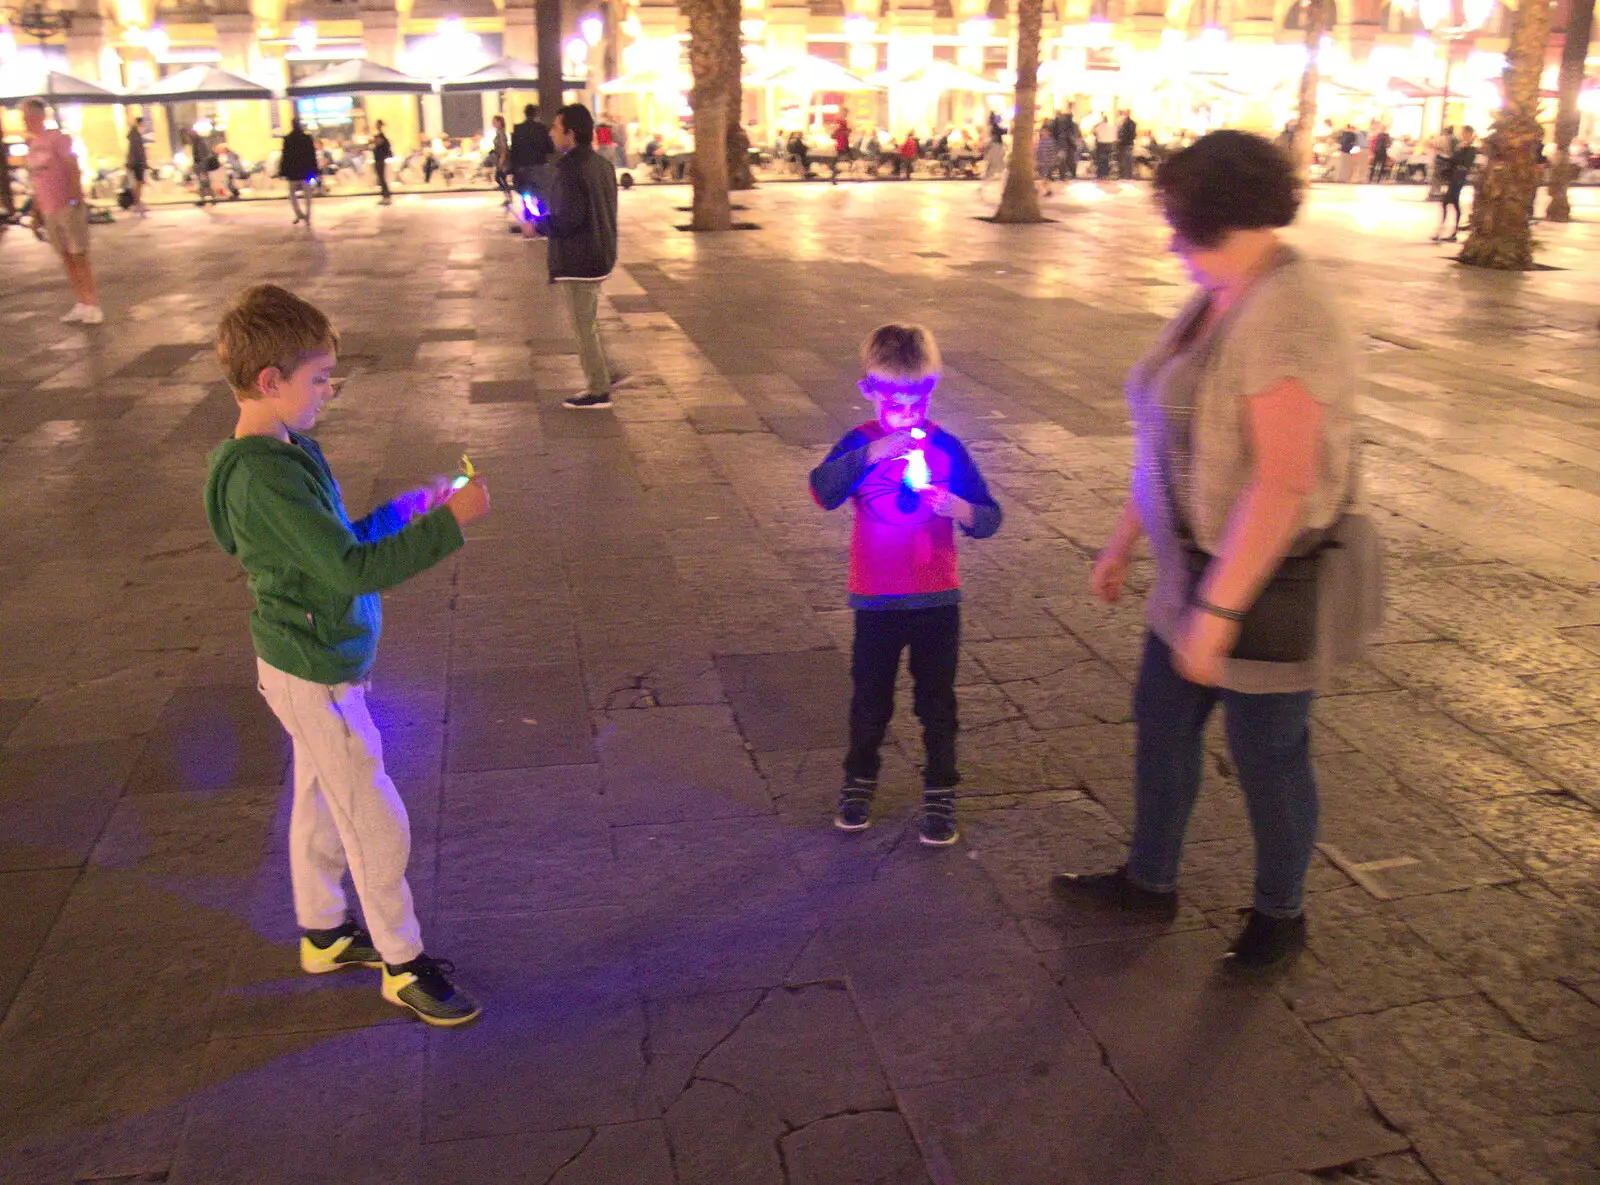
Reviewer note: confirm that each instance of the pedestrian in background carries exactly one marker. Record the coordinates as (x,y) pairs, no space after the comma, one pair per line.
(582,228)
(381,154)
(202,162)
(500,159)
(136,163)
(297,164)
(530,153)
(59,209)
(1127,137)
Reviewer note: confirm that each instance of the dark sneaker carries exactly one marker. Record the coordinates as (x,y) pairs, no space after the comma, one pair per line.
(423,985)
(585,402)
(937,826)
(1266,940)
(348,945)
(1114,890)
(855,805)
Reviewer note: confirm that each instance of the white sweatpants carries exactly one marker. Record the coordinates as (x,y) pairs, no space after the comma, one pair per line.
(346,812)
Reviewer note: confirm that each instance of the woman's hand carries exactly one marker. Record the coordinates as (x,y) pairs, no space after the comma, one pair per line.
(1110,572)
(1204,643)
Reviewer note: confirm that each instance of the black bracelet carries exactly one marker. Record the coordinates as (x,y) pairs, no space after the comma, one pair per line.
(1218,611)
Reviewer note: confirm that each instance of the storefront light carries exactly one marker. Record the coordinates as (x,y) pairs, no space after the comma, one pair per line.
(1434,13)
(1098,34)
(858,28)
(1477,12)
(977,30)
(157,41)
(305,37)
(753,29)
(592,28)
(8,43)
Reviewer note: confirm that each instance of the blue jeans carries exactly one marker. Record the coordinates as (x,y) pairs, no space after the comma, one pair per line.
(1270,739)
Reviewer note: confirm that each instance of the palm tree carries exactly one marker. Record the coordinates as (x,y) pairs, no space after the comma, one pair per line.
(711,24)
(1580,23)
(1318,19)
(739,174)
(1019,202)
(1502,208)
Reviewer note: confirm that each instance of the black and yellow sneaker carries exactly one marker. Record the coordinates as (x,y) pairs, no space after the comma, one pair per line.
(855,805)
(937,826)
(423,985)
(344,946)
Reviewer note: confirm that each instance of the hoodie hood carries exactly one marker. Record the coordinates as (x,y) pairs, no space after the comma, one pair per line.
(223,460)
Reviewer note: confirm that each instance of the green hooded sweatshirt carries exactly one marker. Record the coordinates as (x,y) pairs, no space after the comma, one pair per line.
(315,574)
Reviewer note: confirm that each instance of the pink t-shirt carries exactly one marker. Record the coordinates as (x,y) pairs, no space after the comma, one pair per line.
(51,166)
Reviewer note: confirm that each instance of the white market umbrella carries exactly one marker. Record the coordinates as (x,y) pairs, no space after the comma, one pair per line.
(200,84)
(359,76)
(56,87)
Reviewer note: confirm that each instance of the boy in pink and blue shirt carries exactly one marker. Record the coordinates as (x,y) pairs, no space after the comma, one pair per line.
(912,483)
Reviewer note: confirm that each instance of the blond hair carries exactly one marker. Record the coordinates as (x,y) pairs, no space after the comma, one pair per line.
(268,326)
(900,351)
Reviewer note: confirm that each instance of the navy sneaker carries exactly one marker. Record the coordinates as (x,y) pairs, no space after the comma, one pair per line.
(855,804)
(937,826)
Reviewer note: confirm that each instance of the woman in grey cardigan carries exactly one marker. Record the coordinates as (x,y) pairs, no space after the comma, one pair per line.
(1242,415)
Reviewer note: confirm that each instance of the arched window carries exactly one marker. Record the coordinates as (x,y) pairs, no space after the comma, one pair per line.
(996,10)
(943,10)
(1205,14)
(1294,21)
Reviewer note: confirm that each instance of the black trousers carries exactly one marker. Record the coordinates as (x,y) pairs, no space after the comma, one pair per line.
(934,638)
(382,169)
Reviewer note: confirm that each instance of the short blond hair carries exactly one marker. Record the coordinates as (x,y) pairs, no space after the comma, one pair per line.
(900,351)
(270,326)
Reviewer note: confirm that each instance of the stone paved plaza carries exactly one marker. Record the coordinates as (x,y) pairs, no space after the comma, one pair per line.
(616,718)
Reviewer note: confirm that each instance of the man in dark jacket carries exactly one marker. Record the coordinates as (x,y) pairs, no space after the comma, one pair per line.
(381,153)
(582,228)
(1127,136)
(531,150)
(297,164)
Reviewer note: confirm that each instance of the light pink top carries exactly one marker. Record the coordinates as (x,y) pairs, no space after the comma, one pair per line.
(51,166)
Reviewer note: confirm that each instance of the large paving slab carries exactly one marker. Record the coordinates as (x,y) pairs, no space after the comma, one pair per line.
(616,719)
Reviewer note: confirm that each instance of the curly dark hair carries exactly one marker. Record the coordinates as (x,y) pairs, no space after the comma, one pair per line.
(1227,181)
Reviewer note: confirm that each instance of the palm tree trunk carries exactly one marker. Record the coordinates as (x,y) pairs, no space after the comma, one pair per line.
(1580,24)
(1019,202)
(739,174)
(1501,237)
(708,58)
(1319,17)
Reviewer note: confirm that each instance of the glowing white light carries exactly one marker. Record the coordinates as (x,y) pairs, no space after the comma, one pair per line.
(8,43)
(857,27)
(1477,12)
(592,28)
(157,41)
(917,475)
(305,37)
(1434,13)
(979,28)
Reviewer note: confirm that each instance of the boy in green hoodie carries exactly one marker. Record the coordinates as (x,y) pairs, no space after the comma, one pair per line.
(316,575)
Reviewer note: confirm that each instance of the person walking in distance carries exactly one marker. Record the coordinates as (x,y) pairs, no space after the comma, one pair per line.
(59,209)
(137,164)
(1127,136)
(1454,173)
(1105,141)
(297,164)
(203,162)
(500,156)
(582,229)
(1381,140)
(381,154)
(531,150)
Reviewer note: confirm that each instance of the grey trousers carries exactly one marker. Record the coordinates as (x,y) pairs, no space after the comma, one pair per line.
(583,302)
